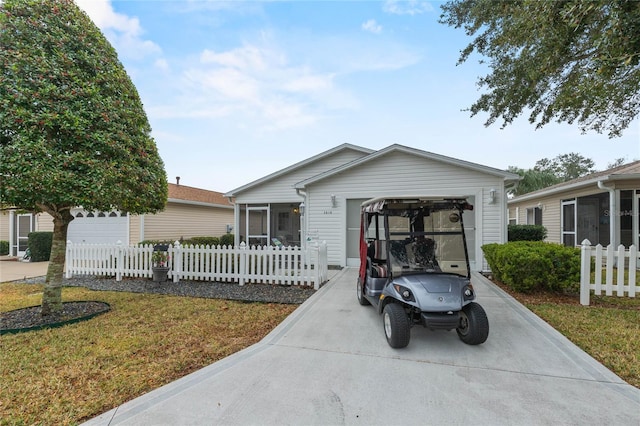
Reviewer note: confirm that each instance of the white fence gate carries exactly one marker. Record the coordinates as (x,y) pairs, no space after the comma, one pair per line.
(624,260)
(243,264)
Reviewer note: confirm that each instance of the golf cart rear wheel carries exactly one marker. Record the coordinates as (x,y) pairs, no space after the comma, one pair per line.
(396,325)
(474,325)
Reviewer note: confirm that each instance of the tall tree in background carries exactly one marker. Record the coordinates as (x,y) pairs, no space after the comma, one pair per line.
(569,61)
(533,180)
(73,129)
(548,172)
(566,166)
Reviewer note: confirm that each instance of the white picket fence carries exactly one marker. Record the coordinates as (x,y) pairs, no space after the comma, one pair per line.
(608,258)
(242,264)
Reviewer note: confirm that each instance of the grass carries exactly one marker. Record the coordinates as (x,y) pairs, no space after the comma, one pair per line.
(608,329)
(66,375)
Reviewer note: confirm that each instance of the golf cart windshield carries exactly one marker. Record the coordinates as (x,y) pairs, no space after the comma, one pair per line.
(419,235)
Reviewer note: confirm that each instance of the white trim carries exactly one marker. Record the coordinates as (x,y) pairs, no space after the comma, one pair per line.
(198,203)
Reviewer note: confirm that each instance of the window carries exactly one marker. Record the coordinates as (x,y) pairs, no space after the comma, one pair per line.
(513,216)
(534,216)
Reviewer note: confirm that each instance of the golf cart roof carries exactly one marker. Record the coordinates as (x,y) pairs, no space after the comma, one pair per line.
(379,204)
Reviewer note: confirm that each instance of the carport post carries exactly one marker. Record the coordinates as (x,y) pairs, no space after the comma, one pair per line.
(585,272)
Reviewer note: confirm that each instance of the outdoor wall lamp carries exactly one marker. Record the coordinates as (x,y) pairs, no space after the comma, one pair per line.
(333,200)
(301,208)
(492,195)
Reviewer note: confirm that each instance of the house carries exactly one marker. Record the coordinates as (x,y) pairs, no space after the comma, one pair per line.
(602,207)
(189,212)
(320,197)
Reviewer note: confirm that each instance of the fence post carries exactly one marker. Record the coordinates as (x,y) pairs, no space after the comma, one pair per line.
(68,260)
(585,272)
(119,260)
(176,271)
(242,267)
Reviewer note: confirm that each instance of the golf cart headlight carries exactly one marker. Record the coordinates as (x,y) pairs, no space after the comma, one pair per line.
(405,293)
(468,292)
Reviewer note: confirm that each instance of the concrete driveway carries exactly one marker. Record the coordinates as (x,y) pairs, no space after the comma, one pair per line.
(329,364)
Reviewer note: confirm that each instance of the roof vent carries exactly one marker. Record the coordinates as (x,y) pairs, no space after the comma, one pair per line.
(177,180)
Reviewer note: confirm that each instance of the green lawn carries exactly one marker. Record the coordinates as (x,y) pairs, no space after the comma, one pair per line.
(69,374)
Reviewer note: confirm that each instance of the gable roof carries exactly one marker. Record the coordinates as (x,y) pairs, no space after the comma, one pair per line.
(296,166)
(190,195)
(507,176)
(624,172)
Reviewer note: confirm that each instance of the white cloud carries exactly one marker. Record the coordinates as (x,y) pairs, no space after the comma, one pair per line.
(372,26)
(124,32)
(258,82)
(410,7)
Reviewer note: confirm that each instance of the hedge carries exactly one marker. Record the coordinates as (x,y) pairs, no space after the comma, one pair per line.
(526,233)
(527,266)
(39,244)
(4,248)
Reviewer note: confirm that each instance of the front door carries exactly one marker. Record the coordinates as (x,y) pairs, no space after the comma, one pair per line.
(257,226)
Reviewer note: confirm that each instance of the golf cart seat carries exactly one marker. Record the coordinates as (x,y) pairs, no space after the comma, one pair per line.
(377,259)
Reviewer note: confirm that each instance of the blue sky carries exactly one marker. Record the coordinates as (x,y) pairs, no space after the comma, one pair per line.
(238,90)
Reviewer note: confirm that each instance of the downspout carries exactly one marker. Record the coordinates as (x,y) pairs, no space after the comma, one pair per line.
(303,221)
(613,223)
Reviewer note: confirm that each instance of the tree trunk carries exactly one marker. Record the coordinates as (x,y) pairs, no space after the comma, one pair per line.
(52,296)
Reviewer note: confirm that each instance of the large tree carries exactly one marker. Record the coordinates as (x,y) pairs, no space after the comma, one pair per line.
(533,180)
(547,172)
(73,131)
(566,166)
(569,61)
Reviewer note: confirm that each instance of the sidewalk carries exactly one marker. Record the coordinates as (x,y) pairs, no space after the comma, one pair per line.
(328,363)
(14,270)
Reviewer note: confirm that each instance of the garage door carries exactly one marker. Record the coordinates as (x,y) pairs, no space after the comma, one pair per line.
(98,227)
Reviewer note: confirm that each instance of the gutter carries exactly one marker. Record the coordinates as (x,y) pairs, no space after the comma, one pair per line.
(613,208)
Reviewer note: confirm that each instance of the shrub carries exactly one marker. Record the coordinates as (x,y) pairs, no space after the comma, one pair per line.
(526,233)
(527,266)
(227,240)
(39,244)
(201,241)
(4,248)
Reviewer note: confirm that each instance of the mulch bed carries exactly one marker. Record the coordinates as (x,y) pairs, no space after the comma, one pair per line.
(27,319)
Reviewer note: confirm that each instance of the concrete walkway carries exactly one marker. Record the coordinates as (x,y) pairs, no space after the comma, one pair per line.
(329,364)
(12,269)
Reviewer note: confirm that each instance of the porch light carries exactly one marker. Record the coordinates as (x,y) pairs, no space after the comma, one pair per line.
(333,200)
(301,208)
(492,195)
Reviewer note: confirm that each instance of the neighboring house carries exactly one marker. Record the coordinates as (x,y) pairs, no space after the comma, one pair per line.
(319,198)
(602,207)
(189,212)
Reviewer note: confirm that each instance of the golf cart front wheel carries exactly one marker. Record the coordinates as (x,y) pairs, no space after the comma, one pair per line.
(474,325)
(396,325)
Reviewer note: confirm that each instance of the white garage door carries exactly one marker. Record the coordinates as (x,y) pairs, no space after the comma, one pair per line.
(98,227)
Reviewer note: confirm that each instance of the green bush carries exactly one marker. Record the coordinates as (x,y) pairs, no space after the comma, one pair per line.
(526,266)
(39,244)
(201,241)
(227,240)
(526,233)
(4,248)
